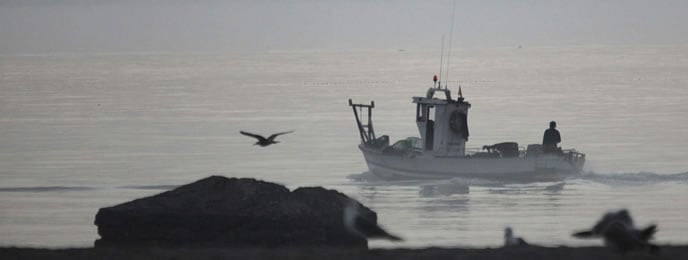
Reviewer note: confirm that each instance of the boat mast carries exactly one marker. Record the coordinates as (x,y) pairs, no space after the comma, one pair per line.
(366,131)
(439,84)
(451,35)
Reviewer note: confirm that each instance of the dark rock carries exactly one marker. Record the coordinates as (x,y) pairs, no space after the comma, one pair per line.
(230,212)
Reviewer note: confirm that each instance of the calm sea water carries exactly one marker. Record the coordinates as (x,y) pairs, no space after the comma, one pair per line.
(80,132)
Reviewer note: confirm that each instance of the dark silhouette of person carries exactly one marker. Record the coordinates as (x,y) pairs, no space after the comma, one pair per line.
(551,138)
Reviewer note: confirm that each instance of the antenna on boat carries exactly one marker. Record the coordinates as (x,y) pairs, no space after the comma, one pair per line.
(441,56)
(451,34)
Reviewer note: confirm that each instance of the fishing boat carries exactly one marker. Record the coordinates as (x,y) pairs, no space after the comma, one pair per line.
(439,152)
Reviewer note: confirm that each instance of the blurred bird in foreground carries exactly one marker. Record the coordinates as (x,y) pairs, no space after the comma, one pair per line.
(619,233)
(363,227)
(262,141)
(510,240)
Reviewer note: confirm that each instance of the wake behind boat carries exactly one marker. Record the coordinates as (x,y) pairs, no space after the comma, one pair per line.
(440,152)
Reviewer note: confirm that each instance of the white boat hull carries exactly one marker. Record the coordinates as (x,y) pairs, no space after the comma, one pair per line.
(427,166)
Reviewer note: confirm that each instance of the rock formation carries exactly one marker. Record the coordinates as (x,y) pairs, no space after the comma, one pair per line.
(230,212)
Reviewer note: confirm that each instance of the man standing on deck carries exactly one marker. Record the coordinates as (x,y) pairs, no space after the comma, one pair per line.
(551,139)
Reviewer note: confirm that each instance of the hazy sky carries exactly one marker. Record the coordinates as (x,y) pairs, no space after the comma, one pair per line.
(36,26)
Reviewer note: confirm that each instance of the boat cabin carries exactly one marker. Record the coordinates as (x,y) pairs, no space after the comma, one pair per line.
(442,122)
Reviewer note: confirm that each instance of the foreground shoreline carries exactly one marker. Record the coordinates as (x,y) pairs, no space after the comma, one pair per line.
(529,252)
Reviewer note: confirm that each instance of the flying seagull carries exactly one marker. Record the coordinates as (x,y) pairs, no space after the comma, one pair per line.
(510,240)
(360,226)
(619,233)
(262,141)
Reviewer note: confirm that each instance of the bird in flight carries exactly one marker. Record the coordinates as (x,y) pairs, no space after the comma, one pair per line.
(262,141)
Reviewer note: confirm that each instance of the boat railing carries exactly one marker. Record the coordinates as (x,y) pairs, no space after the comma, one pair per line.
(571,155)
(502,150)
(477,152)
(473,150)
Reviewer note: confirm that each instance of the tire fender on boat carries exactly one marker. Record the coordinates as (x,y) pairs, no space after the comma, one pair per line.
(458,123)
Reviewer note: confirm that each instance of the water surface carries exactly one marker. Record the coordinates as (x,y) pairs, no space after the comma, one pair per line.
(80,132)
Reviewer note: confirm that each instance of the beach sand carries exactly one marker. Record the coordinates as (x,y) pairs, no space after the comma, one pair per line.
(532,252)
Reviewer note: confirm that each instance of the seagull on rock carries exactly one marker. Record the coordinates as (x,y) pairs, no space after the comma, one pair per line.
(262,141)
(363,227)
(619,233)
(510,240)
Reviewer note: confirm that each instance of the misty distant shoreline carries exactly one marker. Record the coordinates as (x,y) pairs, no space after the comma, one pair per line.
(227,26)
(457,51)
